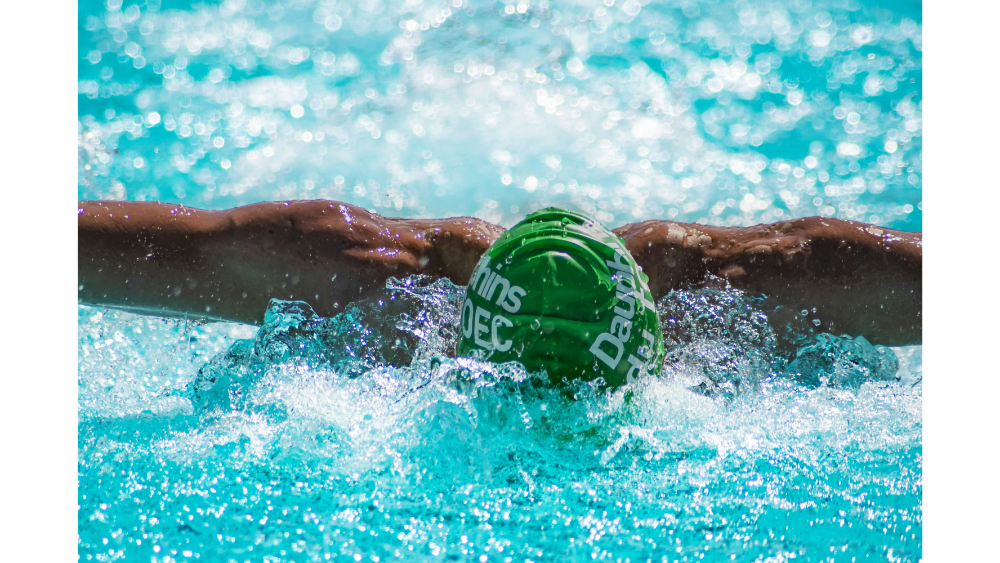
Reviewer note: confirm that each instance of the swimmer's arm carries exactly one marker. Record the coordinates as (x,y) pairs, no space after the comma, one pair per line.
(170,260)
(862,280)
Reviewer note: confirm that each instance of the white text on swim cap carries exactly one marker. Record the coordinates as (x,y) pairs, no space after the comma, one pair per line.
(621,324)
(485,283)
(474,327)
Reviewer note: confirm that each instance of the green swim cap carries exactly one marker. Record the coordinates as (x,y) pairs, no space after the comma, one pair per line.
(559,291)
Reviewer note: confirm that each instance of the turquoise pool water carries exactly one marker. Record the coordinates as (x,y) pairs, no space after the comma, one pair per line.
(355,438)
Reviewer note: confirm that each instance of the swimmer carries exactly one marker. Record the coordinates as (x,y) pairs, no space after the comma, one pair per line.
(170,260)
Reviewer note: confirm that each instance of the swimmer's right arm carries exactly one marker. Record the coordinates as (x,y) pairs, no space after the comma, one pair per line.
(170,260)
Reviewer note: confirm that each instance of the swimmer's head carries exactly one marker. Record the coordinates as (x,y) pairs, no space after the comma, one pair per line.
(560,292)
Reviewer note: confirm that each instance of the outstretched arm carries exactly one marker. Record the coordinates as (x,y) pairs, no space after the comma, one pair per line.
(861,279)
(171,260)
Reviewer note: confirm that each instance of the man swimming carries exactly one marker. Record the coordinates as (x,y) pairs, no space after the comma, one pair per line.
(171,260)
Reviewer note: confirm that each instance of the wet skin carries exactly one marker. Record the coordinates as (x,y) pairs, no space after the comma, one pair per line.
(171,260)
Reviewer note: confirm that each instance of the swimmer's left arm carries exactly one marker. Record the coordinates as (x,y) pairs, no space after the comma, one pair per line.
(861,279)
